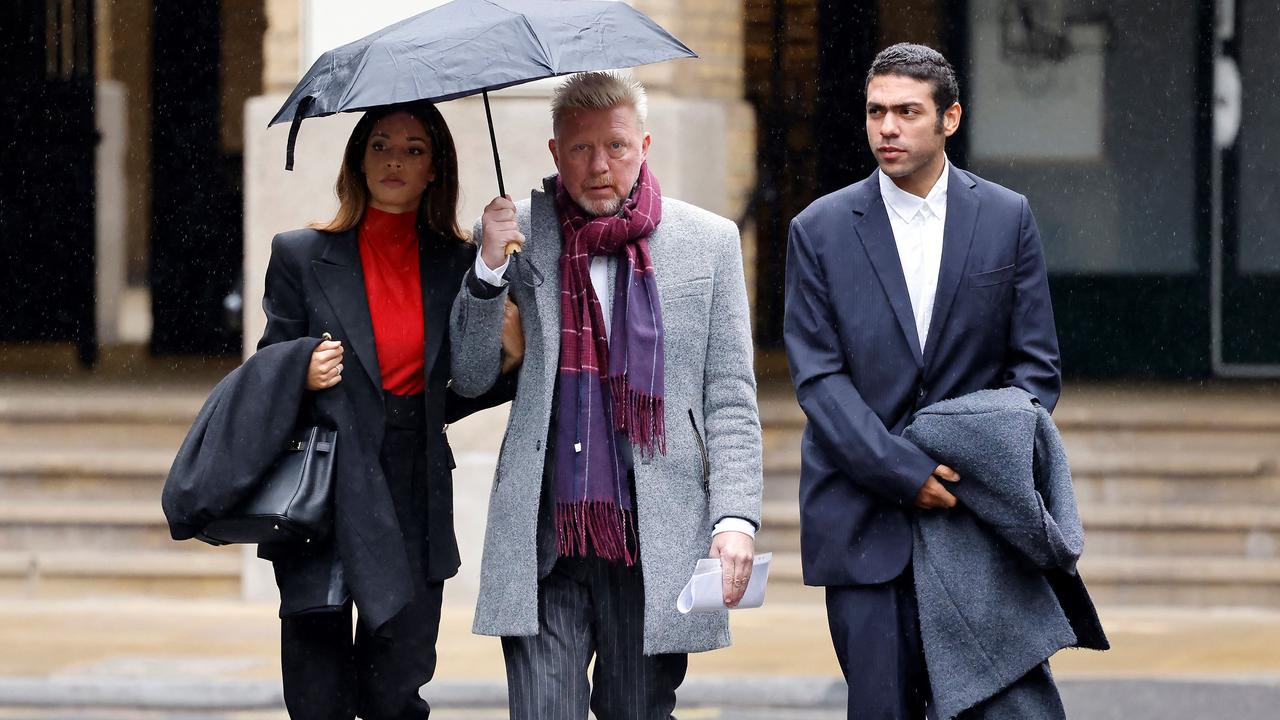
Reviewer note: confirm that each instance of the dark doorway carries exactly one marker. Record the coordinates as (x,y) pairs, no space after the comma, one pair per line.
(1247,264)
(47,175)
(805,66)
(196,211)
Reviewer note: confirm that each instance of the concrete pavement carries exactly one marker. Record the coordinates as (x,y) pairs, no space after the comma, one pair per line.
(220,657)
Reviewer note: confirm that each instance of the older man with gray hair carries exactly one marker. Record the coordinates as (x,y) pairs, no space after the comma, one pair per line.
(633,447)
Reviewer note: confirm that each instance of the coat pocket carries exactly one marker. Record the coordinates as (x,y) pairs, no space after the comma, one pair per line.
(702,452)
(686,288)
(992,277)
(502,456)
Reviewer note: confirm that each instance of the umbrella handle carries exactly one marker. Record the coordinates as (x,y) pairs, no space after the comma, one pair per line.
(529,274)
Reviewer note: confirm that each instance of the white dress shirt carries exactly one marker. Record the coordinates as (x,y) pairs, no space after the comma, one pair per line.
(600,283)
(917,225)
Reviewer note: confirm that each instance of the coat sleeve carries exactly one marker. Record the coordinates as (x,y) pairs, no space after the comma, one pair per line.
(475,334)
(851,435)
(282,297)
(730,413)
(457,407)
(1033,362)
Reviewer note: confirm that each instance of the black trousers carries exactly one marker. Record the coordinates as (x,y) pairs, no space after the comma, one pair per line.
(589,607)
(328,674)
(876,633)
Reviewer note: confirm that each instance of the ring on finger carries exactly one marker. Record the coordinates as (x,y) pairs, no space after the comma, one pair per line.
(339,368)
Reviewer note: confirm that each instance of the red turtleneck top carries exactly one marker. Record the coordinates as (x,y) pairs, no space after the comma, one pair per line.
(393,284)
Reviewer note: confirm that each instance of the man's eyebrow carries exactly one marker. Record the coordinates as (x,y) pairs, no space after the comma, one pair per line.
(910,104)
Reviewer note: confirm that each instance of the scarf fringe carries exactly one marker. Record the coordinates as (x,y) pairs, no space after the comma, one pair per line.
(638,415)
(596,527)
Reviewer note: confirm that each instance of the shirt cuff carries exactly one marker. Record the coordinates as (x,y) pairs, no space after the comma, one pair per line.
(493,277)
(734,524)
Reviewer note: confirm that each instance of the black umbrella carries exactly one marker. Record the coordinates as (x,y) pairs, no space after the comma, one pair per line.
(467,47)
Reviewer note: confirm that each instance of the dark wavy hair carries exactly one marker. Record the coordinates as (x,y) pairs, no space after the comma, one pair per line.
(438,211)
(919,62)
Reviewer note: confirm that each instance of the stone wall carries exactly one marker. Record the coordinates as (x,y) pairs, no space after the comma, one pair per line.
(715,30)
(244,25)
(110,207)
(282,46)
(124,34)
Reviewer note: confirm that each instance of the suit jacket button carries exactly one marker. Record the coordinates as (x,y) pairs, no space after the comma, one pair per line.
(920,393)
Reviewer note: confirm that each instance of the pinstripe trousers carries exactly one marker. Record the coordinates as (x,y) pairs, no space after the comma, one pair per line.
(589,607)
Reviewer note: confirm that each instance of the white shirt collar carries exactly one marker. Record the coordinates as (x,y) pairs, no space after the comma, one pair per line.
(906,205)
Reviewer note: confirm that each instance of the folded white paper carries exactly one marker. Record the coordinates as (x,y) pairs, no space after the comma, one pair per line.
(703,592)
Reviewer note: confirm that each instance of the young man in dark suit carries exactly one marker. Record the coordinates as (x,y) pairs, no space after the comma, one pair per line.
(920,283)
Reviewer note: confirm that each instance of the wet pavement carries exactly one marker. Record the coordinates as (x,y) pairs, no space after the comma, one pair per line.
(205,660)
(1095,699)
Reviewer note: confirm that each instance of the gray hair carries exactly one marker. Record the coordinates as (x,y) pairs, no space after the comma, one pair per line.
(599,91)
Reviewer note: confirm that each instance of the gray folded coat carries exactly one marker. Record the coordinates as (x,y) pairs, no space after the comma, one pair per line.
(996,576)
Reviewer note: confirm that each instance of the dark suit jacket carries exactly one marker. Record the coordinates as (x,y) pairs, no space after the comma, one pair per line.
(858,370)
(315,284)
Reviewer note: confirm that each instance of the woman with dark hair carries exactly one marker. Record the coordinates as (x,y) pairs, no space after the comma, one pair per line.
(377,282)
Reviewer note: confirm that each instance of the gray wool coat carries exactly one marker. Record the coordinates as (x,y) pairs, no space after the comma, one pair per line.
(996,575)
(712,467)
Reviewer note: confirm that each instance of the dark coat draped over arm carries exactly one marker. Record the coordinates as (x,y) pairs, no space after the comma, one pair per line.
(236,437)
(996,575)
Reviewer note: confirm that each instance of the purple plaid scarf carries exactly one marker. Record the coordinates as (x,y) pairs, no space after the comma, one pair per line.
(610,387)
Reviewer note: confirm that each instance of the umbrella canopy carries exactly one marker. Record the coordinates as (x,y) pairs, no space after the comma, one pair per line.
(467,47)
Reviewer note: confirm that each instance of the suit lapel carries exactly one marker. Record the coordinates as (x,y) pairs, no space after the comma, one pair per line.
(872,225)
(544,252)
(437,296)
(957,238)
(342,279)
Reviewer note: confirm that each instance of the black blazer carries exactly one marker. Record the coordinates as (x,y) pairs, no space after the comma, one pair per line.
(314,285)
(859,372)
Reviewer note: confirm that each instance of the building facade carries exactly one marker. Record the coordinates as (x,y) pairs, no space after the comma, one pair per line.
(1137,129)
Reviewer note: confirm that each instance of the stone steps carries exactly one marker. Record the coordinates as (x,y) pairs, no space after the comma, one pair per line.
(1157,460)
(46,471)
(42,524)
(1227,531)
(97,573)
(106,403)
(1125,490)
(1186,581)
(1240,531)
(82,466)
(1179,491)
(1146,489)
(1217,408)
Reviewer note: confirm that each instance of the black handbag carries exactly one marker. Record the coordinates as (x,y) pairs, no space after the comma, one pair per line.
(292,502)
